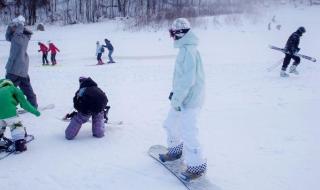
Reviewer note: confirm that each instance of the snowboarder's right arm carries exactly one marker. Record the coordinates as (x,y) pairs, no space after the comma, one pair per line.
(24,103)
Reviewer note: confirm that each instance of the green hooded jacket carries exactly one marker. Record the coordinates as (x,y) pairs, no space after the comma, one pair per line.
(10,97)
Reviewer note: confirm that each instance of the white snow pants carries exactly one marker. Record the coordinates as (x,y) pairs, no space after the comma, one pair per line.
(181,127)
(16,127)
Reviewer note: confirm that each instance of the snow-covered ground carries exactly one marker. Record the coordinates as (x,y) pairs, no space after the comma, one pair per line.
(259,131)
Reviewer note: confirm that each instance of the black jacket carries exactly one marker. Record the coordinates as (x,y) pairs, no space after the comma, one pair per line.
(89,99)
(108,45)
(292,45)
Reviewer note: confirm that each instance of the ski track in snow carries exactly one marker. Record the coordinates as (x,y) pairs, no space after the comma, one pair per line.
(259,131)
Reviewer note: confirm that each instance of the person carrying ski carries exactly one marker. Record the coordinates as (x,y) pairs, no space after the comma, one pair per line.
(292,48)
(110,49)
(10,98)
(89,101)
(18,62)
(186,98)
(53,49)
(44,49)
(99,52)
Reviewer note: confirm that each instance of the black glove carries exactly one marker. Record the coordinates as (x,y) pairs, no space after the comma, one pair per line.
(170,95)
(70,115)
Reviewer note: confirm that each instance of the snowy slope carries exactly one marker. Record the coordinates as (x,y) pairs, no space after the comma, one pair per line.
(259,131)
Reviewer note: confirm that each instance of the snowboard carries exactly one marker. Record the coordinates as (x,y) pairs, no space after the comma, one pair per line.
(41,108)
(176,167)
(11,149)
(298,54)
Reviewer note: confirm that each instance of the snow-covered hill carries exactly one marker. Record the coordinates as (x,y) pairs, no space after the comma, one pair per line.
(259,131)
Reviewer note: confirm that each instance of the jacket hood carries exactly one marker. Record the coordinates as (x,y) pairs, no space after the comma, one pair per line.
(188,39)
(88,82)
(5,82)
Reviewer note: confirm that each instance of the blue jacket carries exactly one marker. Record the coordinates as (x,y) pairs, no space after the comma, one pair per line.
(188,79)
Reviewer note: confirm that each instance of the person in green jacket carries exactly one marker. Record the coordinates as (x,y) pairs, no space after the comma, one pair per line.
(10,98)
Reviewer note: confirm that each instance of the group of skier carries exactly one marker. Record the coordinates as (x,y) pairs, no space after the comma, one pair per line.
(186,97)
(100,51)
(45,50)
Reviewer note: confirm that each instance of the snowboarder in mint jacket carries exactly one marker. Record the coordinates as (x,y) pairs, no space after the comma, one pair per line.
(53,49)
(44,49)
(187,96)
(10,98)
(292,48)
(89,101)
(18,62)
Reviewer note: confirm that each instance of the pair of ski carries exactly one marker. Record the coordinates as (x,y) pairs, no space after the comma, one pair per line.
(176,167)
(272,67)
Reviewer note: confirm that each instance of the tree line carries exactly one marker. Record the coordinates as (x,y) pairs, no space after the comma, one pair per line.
(142,11)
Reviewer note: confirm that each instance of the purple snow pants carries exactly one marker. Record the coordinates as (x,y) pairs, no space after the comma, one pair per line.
(79,119)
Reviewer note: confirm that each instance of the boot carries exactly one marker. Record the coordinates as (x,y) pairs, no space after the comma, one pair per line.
(173,153)
(293,69)
(283,74)
(20,145)
(100,63)
(193,172)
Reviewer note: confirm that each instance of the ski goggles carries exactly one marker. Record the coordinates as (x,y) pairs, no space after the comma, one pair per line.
(174,33)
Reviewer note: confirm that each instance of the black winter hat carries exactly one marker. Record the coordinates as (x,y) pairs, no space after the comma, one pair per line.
(301,30)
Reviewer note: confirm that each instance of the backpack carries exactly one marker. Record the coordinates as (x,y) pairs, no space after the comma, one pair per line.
(102,49)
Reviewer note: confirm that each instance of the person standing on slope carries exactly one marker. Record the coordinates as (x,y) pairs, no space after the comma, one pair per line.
(10,97)
(110,49)
(99,52)
(18,62)
(292,48)
(44,49)
(53,49)
(186,98)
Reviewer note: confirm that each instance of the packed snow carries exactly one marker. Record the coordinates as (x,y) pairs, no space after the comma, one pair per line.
(258,131)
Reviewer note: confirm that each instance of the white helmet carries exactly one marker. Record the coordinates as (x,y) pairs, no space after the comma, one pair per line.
(20,19)
(179,28)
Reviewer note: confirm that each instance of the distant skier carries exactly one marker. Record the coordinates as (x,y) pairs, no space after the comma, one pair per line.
(99,52)
(44,49)
(10,97)
(53,49)
(292,48)
(89,101)
(110,49)
(18,63)
(186,101)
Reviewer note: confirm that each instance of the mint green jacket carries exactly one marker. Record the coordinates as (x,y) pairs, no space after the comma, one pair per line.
(10,97)
(188,79)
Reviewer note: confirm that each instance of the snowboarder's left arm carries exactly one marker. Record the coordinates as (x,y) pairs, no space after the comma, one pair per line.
(24,103)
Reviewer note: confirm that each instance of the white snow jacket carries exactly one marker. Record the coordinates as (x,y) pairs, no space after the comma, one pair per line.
(99,49)
(188,78)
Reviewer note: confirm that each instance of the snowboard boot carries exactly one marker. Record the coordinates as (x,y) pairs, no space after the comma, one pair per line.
(100,63)
(283,74)
(20,145)
(193,172)
(174,153)
(293,69)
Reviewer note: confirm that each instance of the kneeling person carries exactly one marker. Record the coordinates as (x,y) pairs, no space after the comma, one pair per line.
(89,101)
